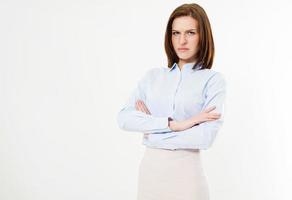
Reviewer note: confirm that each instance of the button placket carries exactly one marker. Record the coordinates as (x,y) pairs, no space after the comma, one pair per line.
(177,89)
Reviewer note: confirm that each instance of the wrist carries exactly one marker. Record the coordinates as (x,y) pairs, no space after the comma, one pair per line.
(169,120)
(195,120)
(170,123)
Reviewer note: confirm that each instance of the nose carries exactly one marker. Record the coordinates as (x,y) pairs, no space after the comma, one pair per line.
(182,39)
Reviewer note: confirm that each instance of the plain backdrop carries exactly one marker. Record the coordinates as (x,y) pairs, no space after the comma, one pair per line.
(68,66)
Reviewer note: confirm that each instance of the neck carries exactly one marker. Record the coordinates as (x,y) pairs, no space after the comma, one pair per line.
(181,63)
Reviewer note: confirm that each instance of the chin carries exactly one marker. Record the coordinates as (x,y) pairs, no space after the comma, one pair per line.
(185,57)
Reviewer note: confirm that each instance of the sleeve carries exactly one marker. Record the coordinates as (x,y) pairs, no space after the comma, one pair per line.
(129,119)
(204,134)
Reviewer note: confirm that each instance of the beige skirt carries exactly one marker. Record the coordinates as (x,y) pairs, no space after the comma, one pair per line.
(171,175)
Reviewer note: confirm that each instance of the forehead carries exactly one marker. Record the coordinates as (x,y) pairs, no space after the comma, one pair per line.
(184,23)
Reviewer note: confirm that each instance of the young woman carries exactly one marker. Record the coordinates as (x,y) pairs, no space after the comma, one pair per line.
(179,109)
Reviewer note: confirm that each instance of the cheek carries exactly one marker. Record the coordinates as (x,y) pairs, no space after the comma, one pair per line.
(173,42)
(195,42)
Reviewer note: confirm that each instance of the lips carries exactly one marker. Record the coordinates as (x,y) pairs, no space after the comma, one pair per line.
(183,49)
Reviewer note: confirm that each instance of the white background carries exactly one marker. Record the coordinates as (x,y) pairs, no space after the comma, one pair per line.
(67,67)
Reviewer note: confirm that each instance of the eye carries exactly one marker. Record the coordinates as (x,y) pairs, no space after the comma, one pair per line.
(174,33)
(192,33)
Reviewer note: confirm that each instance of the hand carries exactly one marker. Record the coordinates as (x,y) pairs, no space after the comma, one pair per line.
(140,106)
(197,119)
(206,115)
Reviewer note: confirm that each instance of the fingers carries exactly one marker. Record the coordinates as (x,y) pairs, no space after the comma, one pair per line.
(213,116)
(210,109)
(142,106)
(139,105)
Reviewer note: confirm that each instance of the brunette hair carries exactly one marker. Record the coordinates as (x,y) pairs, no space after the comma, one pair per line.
(206,50)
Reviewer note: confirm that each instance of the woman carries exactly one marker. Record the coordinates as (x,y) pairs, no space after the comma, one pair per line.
(179,109)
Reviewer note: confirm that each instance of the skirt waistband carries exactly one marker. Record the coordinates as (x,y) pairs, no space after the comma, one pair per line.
(172,154)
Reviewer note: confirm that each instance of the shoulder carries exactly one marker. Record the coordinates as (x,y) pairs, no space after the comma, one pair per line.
(213,82)
(155,72)
(213,79)
(152,74)
(213,75)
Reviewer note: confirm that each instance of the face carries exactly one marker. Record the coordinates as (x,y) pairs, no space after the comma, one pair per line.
(185,38)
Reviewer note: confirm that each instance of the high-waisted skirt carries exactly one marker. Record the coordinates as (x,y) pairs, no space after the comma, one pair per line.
(171,175)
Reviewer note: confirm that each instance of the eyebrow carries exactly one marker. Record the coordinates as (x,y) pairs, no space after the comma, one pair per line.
(186,30)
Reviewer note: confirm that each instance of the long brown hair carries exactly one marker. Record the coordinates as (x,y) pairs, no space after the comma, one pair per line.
(206,50)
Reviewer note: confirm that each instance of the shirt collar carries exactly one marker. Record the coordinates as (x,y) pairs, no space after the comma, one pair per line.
(187,66)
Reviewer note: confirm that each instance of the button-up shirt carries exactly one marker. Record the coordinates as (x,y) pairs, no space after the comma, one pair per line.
(179,94)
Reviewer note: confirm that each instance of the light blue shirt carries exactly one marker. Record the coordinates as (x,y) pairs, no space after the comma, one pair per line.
(179,94)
